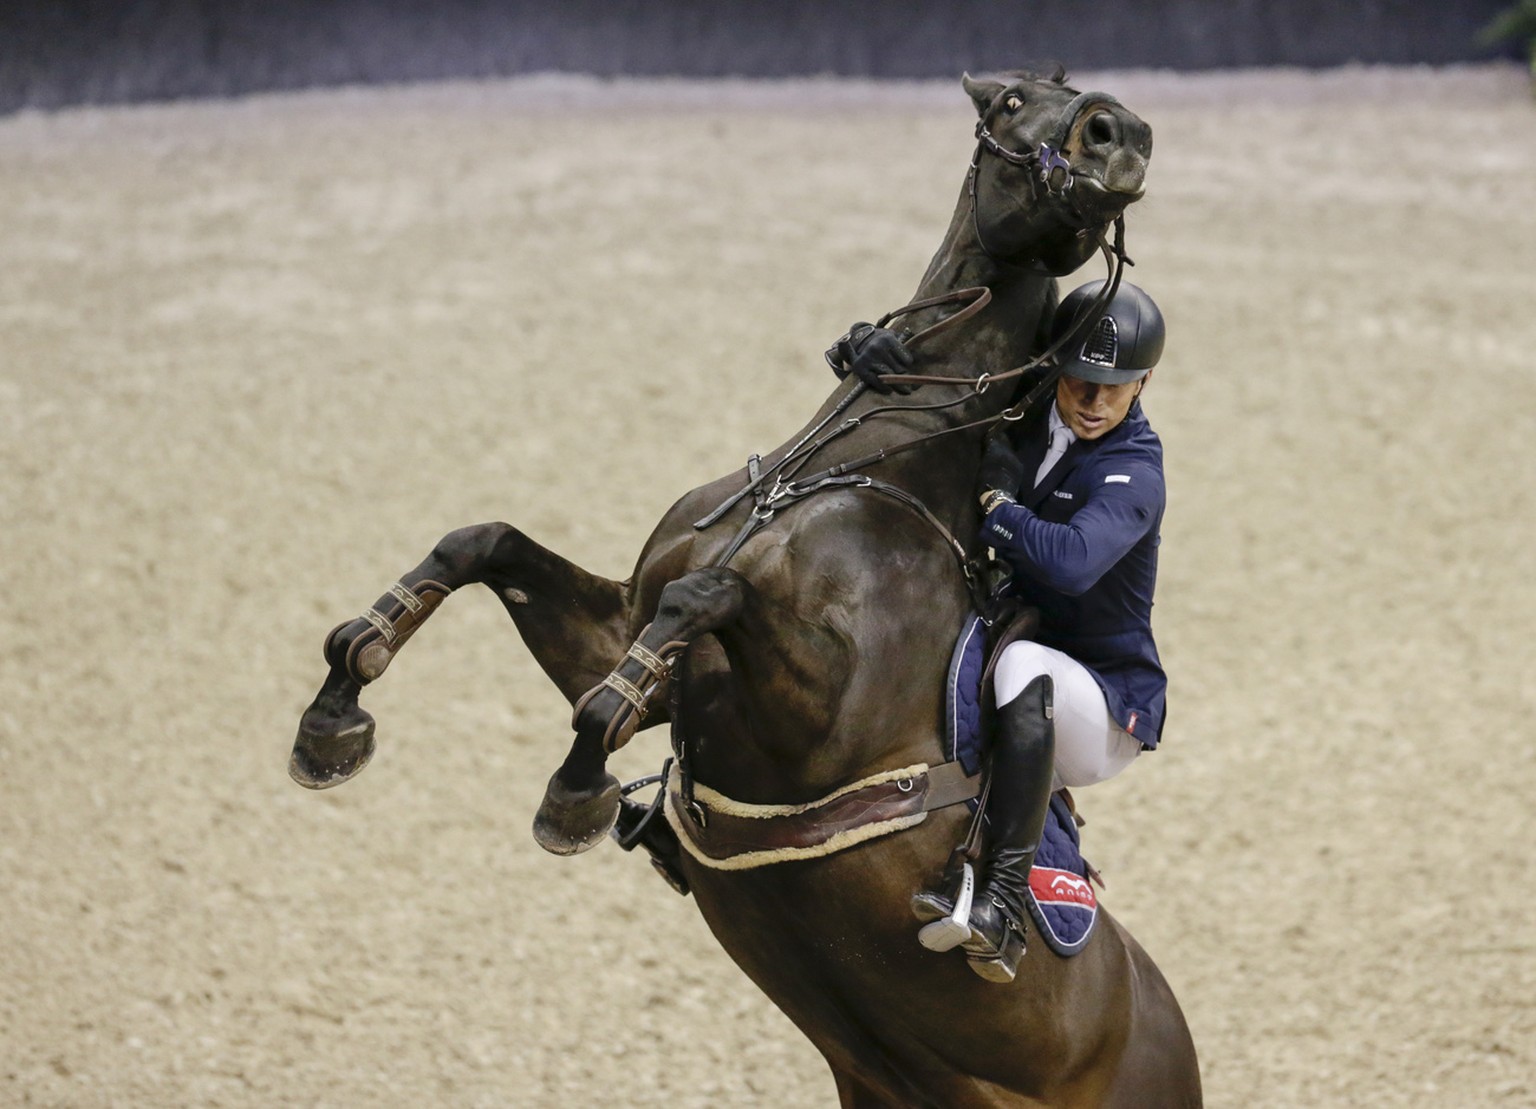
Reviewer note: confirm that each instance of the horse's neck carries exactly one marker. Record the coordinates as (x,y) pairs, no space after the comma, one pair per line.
(960,262)
(999,338)
(1019,289)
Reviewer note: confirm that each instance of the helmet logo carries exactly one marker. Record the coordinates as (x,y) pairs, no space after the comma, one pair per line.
(1102,347)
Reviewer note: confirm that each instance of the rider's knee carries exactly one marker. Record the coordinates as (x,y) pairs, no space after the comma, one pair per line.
(1086,756)
(1020,663)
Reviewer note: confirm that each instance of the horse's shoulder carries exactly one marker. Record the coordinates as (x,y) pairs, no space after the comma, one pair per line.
(859,525)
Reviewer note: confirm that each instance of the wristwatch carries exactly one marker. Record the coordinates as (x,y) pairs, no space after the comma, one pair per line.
(992,498)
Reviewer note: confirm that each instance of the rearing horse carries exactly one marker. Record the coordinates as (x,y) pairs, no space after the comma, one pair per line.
(798,643)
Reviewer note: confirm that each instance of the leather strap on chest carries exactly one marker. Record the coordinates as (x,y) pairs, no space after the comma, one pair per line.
(786,495)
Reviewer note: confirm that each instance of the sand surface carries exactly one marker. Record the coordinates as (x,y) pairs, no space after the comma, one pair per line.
(256,357)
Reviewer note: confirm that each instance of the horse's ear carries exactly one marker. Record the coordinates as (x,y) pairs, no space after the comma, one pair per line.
(982,93)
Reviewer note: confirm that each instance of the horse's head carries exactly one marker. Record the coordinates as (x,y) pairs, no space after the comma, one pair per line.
(1052,166)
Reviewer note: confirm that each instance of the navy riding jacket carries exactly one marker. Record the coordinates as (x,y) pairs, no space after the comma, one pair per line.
(1083,548)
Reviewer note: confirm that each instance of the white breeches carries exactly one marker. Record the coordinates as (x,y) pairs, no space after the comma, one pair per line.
(1090,747)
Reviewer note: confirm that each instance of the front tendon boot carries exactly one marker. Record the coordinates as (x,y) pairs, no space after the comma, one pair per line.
(1023,762)
(364,647)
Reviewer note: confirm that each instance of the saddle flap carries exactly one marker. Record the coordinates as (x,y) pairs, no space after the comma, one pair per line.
(970,676)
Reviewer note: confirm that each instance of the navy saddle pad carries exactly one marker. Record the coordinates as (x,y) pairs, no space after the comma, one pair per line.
(1062,899)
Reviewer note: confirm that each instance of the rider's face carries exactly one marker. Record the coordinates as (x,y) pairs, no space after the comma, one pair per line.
(1092,410)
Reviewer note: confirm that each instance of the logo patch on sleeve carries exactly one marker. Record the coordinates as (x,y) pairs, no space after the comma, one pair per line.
(1111,479)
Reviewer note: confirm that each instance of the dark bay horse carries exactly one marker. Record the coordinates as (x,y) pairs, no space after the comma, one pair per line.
(798,643)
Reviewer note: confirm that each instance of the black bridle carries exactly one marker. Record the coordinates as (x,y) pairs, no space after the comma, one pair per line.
(1046,167)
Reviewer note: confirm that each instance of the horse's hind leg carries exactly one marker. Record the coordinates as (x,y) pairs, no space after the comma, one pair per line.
(573,622)
(582,800)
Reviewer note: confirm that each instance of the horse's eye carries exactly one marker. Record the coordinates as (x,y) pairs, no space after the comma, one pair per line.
(1013,103)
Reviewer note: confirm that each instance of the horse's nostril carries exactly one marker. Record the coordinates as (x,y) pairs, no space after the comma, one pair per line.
(1100,129)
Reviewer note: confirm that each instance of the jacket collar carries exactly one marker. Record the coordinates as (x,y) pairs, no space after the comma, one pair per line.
(1039,439)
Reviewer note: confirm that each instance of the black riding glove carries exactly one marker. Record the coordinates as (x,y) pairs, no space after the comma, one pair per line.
(868,352)
(1001,469)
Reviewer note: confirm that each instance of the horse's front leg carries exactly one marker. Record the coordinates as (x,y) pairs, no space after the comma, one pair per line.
(573,622)
(581,802)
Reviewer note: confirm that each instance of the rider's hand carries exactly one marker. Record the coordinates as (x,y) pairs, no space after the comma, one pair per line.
(1001,468)
(869,352)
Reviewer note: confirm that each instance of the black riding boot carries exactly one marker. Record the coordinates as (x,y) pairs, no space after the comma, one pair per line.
(1023,762)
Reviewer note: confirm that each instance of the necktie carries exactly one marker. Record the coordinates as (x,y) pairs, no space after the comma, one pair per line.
(1061,439)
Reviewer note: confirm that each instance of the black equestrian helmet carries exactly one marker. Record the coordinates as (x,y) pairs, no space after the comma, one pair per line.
(1116,347)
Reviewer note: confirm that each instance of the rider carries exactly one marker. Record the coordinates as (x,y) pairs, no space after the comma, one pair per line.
(1072,501)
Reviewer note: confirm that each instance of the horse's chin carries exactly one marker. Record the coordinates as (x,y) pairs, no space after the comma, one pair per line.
(1098,203)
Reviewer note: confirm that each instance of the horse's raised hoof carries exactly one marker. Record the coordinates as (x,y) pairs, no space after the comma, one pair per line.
(331,747)
(572,821)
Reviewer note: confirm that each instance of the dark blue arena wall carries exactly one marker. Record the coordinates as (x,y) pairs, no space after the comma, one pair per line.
(55,53)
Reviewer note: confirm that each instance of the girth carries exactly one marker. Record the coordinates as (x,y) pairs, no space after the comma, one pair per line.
(726,834)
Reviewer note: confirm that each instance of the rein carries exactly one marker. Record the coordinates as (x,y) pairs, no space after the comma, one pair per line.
(787,492)
(1116,259)
(1053,173)
(979,297)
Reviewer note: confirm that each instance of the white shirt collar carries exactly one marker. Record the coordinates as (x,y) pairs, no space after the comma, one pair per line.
(1056,423)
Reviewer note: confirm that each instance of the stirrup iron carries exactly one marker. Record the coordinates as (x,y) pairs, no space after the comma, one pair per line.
(955,929)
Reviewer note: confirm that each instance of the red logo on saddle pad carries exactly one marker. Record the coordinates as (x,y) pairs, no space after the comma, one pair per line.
(1061,887)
